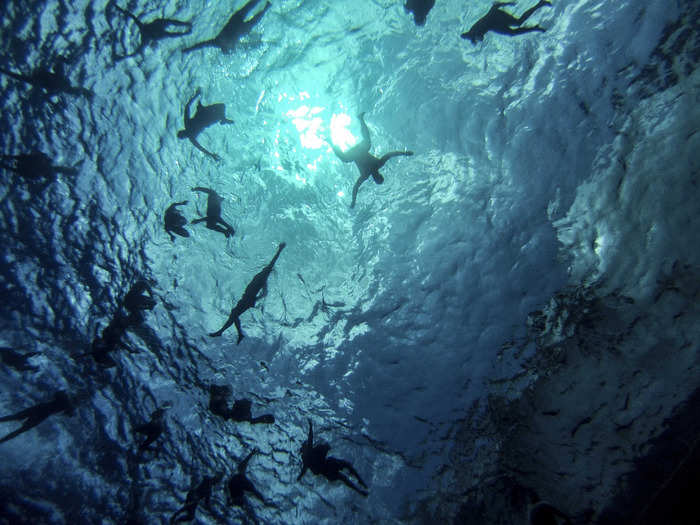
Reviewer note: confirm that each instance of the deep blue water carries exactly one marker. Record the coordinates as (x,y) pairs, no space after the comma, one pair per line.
(537,164)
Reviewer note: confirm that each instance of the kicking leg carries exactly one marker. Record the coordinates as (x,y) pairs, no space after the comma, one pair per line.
(350,484)
(534,8)
(389,155)
(355,188)
(366,141)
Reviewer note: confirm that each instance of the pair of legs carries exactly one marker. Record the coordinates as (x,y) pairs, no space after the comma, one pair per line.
(234,319)
(505,22)
(32,420)
(333,472)
(217,224)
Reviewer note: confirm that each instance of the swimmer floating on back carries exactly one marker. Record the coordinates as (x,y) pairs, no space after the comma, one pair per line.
(204,117)
(157,29)
(367,164)
(500,21)
(256,289)
(234,29)
(53,82)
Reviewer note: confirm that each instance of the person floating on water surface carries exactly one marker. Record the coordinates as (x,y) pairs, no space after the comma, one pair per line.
(61,402)
(256,289)
(420,10)
(241,410)
(35,167)
(204,117)
(53,82)
(239,484)
(368,164)
(194,496)
(504,23)
(152,429)
(213,217)
(316,459)
(235,28)
(157,29)
(174,221)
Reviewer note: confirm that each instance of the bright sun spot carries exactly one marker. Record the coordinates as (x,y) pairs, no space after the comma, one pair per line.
(309,125)
(340,134)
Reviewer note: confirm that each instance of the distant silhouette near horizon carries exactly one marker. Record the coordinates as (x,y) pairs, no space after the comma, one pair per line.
(157,29)
(367,164)
(202,491)
(543,513)
(52,81)
(235,28)
(204,117)
(152,429)
(250,296)
(316,459)
(61,402)
(240,411)
(35,167)
(502,22)
(420,10)
(213,216)
(174,221)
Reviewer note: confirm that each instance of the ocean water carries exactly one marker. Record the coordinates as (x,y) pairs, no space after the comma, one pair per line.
(547,160)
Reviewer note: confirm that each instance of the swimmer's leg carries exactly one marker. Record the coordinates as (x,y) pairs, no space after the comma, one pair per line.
(529,12)
(241,335)
(229,229)
(215,227)
(197,221)
(201,45)
(251,23)
(342,477)
(355,188)
(242,13)
(30,423)
(366,141)
(518,30)
(391,154)
(266,419)
(231,319)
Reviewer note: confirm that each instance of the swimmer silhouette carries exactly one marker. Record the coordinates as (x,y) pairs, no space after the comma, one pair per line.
(18,361)
(367,164)
(420,10)
(157,29)
(194,496)
(250,296)
(213,218)
(135,302)
(316,459)
(152,430)
(239,484)
(241,410)
(35,167)
(36,414)
(53,82)
(204,117)
(174,221)
(235,28)
(542,513)
(504,23)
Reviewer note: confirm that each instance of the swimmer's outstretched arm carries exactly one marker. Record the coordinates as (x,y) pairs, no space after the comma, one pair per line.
(503,4)
(203,149)
(130,15)
(208,191)
(247,26)
(244,464)
(189,103)
(18,76)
